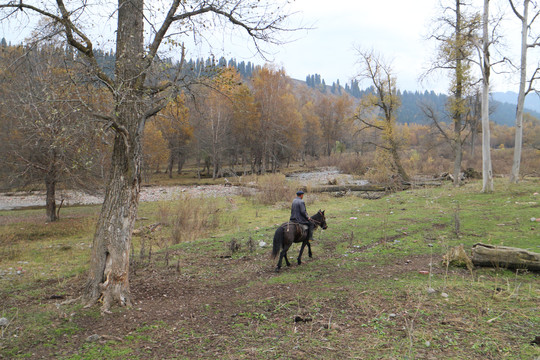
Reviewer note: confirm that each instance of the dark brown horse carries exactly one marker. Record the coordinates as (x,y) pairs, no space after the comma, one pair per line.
(289,233)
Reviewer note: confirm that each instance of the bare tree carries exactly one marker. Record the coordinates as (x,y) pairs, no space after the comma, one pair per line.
(378,108)
(135,102)
(525,85)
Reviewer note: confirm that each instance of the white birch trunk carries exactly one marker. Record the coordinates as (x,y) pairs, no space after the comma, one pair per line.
(514,176)
(487,172)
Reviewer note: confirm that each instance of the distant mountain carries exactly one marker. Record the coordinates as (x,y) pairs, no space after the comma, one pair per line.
(532,102)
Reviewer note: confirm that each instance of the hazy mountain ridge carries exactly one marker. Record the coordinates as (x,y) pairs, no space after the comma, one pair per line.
(503,105)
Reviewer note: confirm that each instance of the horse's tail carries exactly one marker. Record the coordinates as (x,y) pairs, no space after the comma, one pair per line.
(278,240)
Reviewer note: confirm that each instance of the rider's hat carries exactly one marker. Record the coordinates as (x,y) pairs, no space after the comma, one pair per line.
(299,192)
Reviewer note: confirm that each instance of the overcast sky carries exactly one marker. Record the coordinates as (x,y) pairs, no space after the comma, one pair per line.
(396,29)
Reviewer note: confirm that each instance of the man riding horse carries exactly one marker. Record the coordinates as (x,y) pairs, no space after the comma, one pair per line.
(291,232)
(299,214)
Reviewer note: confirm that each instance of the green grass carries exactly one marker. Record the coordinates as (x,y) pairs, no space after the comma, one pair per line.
(361,298)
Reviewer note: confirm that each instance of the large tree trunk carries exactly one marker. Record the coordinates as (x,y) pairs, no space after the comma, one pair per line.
(109,268)
(514,176)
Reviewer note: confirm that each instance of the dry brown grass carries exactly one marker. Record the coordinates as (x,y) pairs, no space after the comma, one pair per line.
(190,218)
(274,188)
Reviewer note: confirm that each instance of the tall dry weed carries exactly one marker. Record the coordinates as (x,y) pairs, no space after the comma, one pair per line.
(274,188)
(190,218)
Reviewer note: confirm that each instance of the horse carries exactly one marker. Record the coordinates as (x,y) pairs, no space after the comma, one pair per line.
(289,233)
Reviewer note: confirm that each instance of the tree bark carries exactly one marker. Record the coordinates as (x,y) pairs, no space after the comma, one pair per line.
(108,276)
(514,176)
(109,267)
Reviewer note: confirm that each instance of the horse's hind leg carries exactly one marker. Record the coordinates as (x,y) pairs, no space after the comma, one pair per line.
(286,258)
(282,255)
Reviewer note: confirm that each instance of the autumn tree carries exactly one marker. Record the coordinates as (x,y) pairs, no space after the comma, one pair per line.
(532,132)
(156,149)
(333,113)
(312,129)
(377,109)
(175,127)
(279,129)
(244,127)
(217,112)
(135,102)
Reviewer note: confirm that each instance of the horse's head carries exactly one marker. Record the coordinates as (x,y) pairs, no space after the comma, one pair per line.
(320,219)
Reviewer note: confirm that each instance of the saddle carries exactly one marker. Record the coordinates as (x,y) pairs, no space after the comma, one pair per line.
(303,227)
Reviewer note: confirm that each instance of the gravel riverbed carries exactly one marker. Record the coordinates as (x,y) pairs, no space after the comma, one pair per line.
(16,200)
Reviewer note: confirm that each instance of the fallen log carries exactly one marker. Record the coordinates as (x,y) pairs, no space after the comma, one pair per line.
(505,257)
(370,187)
(336,188)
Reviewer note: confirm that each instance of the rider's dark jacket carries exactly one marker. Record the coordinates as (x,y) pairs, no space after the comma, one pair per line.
(298,211)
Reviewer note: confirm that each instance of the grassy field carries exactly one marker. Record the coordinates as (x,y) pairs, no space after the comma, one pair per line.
(212,293)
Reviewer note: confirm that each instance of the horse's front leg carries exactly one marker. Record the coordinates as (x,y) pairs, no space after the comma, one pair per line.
(309,250)
(301,251)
